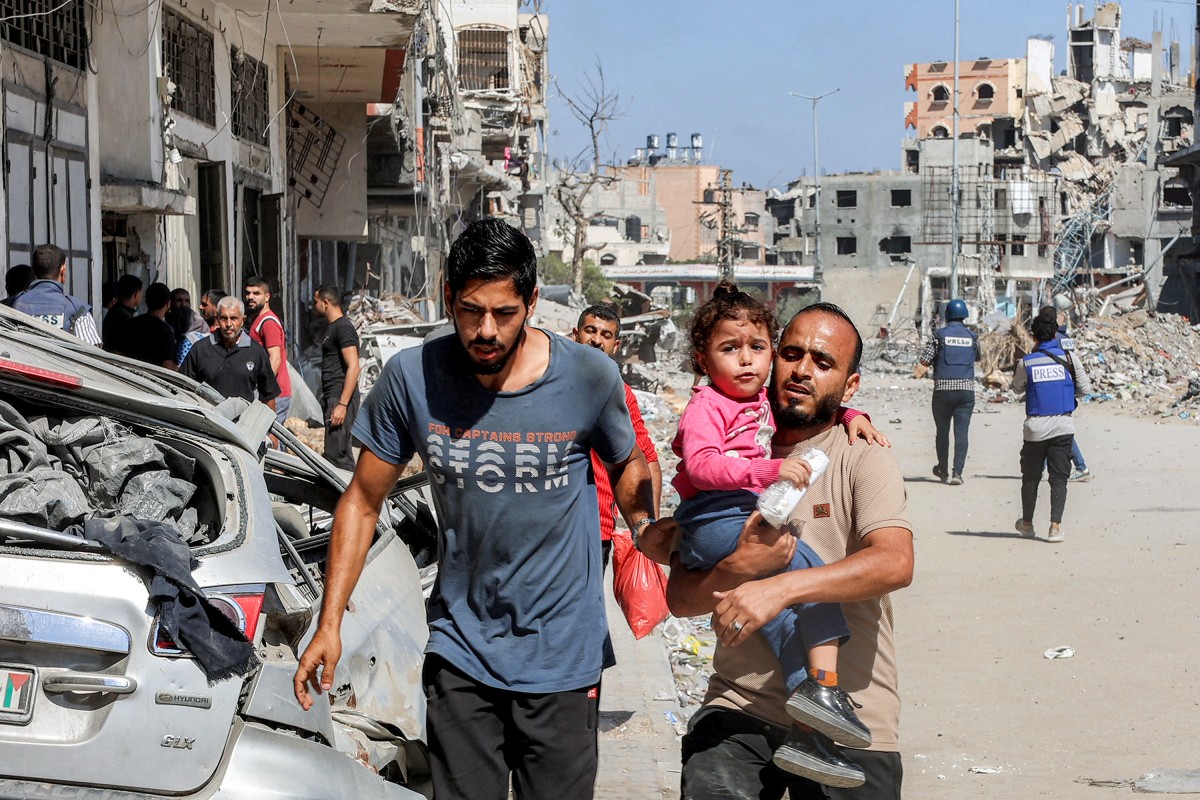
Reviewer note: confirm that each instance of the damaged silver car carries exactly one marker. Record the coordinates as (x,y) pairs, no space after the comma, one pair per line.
(160,570)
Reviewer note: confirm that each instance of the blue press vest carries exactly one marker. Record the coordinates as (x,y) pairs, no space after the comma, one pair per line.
(956,353)
(46,300)
(1064,341)
(1050,389)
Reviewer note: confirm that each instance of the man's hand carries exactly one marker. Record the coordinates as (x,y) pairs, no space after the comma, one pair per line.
(322,652)
(920,369)
(655,540)
(742,611)
(762,550)
(338,416)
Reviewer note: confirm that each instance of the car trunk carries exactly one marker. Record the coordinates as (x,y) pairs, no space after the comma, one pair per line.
(84,697)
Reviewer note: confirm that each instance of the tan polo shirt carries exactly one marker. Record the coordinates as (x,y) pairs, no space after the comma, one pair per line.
(861,491)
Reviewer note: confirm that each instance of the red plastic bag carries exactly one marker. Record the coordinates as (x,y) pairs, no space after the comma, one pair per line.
(640,586)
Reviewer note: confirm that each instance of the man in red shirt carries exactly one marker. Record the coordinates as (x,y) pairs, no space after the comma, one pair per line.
(600,327)
(265,328)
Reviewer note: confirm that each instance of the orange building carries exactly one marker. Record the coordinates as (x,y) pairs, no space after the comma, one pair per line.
(990,89)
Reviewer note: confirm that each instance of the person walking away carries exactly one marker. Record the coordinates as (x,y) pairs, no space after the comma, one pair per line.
(116,321)
(855,519)
(47,300)
(230,362)
(16,280)
(952,352)
(149,337)
(1080,472)
(1052,380)
(599,326)
(503,416)
(339,376)
(266,328)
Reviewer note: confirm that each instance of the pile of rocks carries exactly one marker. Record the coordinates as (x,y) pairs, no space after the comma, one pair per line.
(1143,362)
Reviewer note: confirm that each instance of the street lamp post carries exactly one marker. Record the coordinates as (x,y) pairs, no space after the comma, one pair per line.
(817,172)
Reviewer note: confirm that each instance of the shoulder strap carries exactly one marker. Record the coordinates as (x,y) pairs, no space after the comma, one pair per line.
(1066,362)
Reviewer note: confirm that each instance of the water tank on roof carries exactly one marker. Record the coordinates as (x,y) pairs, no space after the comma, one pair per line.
(672,140)
(697,141)
(652,141)
(633,228)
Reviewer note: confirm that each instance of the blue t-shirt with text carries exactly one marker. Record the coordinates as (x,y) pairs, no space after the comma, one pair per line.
(518,602)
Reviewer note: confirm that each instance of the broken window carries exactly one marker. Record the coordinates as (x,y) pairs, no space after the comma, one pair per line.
(1176,195)
(251,97)
(847,198)
(986,92)
(940,132)
(188,61)
(896,245)
(751,222)
(940,94)
(912,160)
(51,29)
(901,198)
(1018,245)
(608,259)
(482,59)
(847,245)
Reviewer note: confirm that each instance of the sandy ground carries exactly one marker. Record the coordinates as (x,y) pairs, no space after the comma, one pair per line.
(986,715)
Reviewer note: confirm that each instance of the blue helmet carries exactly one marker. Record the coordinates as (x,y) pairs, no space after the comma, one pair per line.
(956,309)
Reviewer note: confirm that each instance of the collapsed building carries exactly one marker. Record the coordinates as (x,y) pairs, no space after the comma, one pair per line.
(1067,184)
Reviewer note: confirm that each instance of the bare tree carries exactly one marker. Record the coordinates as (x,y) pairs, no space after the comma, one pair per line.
(594,106)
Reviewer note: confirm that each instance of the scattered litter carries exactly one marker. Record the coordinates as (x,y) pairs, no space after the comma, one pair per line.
(986,770)
(1059,652)
(896,421)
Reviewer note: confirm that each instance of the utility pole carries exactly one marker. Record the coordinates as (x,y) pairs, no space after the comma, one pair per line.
(954,187)
(725,242)
(817,173)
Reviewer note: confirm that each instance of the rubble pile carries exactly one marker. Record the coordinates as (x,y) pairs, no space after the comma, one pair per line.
(389,308)
(1144,362)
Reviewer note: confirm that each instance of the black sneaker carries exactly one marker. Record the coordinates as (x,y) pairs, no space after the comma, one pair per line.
(956,479)
(939,473)
(829,710)
(811,755)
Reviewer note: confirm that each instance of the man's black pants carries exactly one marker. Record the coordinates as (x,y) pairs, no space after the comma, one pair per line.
(478,735)
(727,756)
(1055,453)
(338,441)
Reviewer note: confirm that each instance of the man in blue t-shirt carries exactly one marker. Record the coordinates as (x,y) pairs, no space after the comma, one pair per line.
(504,417)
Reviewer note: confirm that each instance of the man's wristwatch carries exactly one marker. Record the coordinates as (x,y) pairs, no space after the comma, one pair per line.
(636,528)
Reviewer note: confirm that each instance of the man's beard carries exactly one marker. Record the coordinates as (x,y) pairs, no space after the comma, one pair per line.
(790,416)
(496,366)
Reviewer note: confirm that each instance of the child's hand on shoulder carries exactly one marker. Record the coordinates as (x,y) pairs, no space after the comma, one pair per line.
(861,428)
(795,470)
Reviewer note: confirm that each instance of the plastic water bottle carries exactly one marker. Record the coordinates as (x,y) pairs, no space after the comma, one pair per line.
(778,500)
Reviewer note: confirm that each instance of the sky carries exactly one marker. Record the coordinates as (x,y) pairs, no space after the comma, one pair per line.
(724,70)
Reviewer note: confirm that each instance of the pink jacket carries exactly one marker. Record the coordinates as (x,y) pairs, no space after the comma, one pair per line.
(724,443)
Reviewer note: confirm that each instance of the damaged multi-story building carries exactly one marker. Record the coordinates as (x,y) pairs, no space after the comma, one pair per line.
(196,142)
(1063,183)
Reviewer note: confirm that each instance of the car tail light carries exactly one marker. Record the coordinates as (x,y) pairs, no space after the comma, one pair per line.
(40,374)
(242,604)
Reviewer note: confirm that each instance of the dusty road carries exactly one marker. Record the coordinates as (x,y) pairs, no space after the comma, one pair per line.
(985,604)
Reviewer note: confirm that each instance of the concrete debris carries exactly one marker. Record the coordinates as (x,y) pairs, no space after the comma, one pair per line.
(388,309)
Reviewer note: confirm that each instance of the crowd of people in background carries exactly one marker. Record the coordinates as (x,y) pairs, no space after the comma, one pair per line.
(237,346)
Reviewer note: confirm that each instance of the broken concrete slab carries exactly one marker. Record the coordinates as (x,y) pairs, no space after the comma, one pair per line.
(1169,781)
